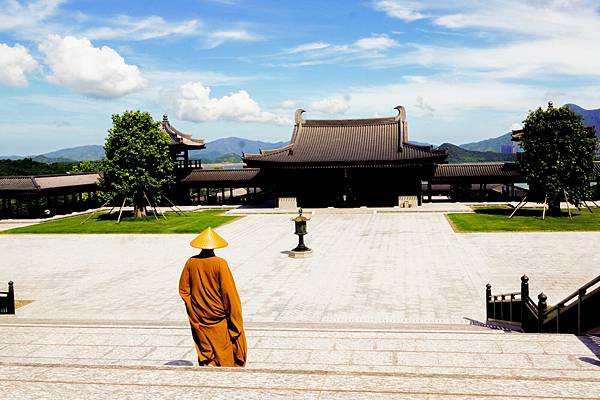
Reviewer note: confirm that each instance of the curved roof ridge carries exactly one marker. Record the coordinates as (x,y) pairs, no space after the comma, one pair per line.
(423,147)
(350,122)
(175,133)
(269,152)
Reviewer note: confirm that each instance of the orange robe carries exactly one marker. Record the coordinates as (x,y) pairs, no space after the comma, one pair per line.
(215,312)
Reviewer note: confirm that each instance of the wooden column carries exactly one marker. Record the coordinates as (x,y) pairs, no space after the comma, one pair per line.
(429,191)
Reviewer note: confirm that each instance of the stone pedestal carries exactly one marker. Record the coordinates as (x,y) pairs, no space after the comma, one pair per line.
(301,254)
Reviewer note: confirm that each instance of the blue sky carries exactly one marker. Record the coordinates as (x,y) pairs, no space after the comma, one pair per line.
(465,70)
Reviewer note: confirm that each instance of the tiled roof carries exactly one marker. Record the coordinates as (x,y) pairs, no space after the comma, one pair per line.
(178,137)
(15,183)
(348,142)
(477,170)
(42,182)
(504,171)
(58,181)
(222,175)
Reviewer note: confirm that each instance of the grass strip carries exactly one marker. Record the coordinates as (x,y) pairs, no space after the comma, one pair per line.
(188,222)
(495,219)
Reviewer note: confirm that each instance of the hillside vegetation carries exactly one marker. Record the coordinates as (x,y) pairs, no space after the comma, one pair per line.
(457,154)
(27,166)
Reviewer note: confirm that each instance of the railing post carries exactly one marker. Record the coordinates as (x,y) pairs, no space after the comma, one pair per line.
(559,307)
(11,298)
(524,300)
(488,300)
(541,310)
(502,307)
(580,295)
(512,297)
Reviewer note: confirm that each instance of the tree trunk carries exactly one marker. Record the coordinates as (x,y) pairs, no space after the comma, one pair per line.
(139,211)
(554,208)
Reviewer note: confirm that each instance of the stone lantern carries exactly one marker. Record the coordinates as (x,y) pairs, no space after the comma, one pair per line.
(300,251)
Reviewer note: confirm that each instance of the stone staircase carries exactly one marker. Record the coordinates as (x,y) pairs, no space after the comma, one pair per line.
(90,359)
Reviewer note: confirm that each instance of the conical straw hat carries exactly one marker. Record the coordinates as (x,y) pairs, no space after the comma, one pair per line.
(208,239)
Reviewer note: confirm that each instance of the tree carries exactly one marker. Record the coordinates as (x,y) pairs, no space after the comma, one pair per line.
(559,156)
(138,164)
(89,166)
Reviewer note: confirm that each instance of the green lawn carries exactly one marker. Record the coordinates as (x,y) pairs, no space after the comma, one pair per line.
(495,219)
(189,222)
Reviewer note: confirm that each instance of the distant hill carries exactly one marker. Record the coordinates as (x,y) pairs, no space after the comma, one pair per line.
(79,153)
(229,149)
(220,150)
(52,160)
(493,144)
(457,154)
(590,117)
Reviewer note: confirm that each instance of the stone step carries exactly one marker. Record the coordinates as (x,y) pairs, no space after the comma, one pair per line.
(98,382)
(302,361)
(490,352)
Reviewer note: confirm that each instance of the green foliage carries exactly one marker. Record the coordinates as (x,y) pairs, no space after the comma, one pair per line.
(458,154)
(559,156)
(89,166)
(27,166)
(137,159)
(192,222)
(495,219)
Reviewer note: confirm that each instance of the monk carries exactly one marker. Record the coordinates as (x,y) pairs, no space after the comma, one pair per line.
(213,305)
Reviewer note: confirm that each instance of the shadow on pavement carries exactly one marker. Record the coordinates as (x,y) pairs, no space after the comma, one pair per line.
(592,343)
(185,363)
(505,328)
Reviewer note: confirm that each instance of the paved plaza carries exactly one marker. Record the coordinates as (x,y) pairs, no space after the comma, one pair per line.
(367,268)
(389,306)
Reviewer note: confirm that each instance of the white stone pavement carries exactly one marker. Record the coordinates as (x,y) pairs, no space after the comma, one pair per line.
(367,268)
(377,313)
(70,361)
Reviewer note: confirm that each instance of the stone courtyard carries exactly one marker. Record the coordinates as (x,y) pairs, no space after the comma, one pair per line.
(367,267)
(386,293)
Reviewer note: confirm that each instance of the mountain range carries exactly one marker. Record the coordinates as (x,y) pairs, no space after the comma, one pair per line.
(220,150)
(229,149)
(590,118)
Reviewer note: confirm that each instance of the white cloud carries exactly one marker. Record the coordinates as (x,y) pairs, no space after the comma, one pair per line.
(376,43)
(15,64)
(405,10)
(288,104)
(447,97)
(170,78)
(308,47)
(94,71)
(124,27)
(315,53)
(532,39)
(21,14)
(217,38)
(193,102)
(330,105)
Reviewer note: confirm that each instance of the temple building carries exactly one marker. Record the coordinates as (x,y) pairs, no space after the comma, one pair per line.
(347,163)
(181,144)
(328,163)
